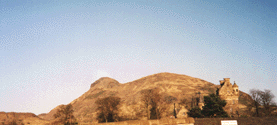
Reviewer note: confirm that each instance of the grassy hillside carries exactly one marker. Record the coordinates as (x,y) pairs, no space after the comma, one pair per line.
(171,85)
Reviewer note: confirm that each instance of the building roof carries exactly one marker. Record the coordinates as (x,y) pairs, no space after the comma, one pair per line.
(235,85)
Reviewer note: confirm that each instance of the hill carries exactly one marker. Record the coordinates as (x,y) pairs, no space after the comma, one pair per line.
(20,118)
(173,87)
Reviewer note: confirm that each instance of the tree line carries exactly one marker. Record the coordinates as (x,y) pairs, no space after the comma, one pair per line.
(213,108)
(154,105)
(263,103)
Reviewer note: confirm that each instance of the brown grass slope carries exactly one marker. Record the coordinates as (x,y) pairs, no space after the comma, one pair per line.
(50,115)
(169,84)
(20,118)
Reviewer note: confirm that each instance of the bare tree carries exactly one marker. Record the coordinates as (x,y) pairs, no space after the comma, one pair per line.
(107,108)
(65,113)
(267,101)
(151,99)
(264,98)
(255,94)
(146,100)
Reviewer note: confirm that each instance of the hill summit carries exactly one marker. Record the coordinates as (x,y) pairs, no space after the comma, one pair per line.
(105,82)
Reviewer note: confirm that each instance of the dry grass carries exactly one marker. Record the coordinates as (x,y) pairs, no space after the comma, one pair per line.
(176,85)
(35,121)
(165,121)
(241,121)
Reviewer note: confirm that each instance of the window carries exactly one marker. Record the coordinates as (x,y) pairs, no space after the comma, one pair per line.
(184,113)
(237,90)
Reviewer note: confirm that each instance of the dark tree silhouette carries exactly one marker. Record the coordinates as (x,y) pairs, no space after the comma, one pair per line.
(214,106)
(263,101)
(255,94)
(267,101)
(151,100)
(174,112)
(107,109)
(195,113)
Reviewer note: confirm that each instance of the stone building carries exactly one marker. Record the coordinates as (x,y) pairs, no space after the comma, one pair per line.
(230,93)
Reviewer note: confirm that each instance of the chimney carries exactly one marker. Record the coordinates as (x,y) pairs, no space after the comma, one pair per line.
(227,80)
(221,82)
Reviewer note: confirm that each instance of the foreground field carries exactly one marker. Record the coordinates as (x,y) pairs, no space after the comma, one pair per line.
(196,121)
(241,121)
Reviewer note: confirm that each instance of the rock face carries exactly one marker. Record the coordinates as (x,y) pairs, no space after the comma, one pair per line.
(170,86)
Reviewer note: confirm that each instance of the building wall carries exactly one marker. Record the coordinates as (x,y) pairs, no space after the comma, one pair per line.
(230,94)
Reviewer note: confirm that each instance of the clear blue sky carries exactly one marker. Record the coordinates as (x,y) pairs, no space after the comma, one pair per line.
(51,51)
